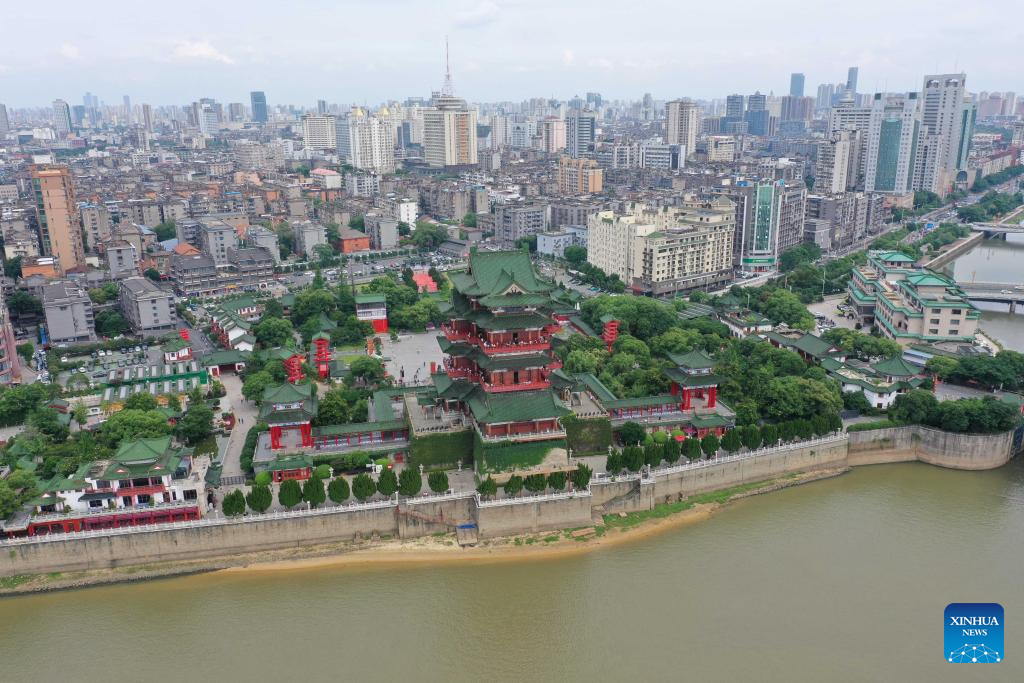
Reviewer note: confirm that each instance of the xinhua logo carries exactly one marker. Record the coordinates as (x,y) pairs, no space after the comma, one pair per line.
(974,633)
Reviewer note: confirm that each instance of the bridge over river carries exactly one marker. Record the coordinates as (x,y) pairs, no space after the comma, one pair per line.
(997,292)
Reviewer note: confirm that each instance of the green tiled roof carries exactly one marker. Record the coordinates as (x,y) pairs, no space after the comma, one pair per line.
(599,390)
(514,300)
(143,457)
(709,421)
(519,406)
(684,379)
(360,428)
(489,321)
(176,344)
(370,299)
(289,462)
(808,343)
(450,389)
(896,367)
(287,393)
(894,256)
(225,358)
(693,360)
(493,272)
(928,280)
(454,348)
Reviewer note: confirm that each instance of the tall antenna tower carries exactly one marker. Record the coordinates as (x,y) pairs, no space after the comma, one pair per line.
(449,89)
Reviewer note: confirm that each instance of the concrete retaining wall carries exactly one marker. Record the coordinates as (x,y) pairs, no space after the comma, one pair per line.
(81,552)
(105,552)
(933,446)
(508,520)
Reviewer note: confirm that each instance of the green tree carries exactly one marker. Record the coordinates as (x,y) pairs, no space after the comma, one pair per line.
(196,424)
(556,480)
(313,490)
(653,454)
(366,369)
(581,476)
(575,255)
(692,448)
(709,444)
(409,482)
(631,433)
(166,231)
(438,481)
(22,303)
(255,384)
(633,456)
(337,490)
(47,421)
(128,425)
(271,332)
(26,351)
(12,267)
(263,478)
(770,435)
(614,464)
(513,485)
(387,482)
(535,483)
(233,504)
(153,274)
(80,414)
(141,401)
(259,498)
(488,487)
(752,437)
(289,494)
(731,442)
(673,450)
(469,220)
(363,487)
(914,407)
(111,324)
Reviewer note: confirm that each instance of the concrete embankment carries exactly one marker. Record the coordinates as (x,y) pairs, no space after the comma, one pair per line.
(189,542)
(958,248)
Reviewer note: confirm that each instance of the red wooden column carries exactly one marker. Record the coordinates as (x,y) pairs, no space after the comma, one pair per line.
(307,435)
(712,396)
(687,397)
(275,437)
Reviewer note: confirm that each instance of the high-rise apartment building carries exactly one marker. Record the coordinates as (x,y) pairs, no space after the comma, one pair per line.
(682,123)
(367,141)
(552,135)
(580,133)
(892,139)
(449,133)
(769,220)
(579,176)
(5,123)
(258,100)
(851,80)
(319,132)
(734,109)
(856,121)
(147,118)
(60,228)
(833,164)
(939,149)
(663,250)
(796,85)
(61,118)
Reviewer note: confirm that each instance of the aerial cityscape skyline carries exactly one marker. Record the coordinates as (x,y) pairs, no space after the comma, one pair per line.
(500,51)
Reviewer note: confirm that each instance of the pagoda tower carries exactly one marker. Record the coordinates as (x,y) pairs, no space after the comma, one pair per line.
(498,359)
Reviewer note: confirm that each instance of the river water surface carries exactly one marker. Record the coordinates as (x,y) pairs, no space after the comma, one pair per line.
(840,580)
(996,260)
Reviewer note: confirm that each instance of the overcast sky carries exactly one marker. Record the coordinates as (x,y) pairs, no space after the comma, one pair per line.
(299,51)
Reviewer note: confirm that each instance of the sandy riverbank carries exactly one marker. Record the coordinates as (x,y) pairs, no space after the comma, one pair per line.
(438,549)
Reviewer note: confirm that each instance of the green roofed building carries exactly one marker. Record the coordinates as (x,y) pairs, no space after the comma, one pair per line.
(910,304)
(499,366)
(289,407)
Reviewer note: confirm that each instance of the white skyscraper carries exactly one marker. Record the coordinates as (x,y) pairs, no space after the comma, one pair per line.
(367,141)
(580,132)
(319,132)
(449,133)
(938,149)
(61,118)
(682,124)
(833,164)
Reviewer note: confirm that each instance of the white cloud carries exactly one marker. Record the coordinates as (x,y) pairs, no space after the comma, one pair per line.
(69,51)
(201,51)
(482,14)
(600,63)
(568,57)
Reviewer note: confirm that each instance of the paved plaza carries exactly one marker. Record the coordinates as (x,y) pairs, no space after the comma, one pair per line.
(412,353)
